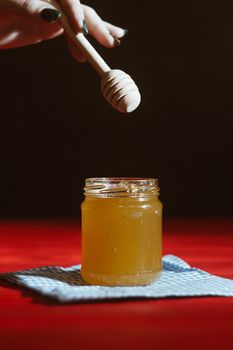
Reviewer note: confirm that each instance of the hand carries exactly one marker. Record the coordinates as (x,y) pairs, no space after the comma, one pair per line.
(26,22)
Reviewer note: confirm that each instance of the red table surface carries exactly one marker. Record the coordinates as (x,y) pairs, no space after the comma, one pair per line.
(28,321)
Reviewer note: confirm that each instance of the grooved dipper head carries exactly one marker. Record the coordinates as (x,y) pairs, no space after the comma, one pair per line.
(120,91)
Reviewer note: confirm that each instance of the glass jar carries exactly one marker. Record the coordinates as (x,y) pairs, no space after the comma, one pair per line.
(121,231)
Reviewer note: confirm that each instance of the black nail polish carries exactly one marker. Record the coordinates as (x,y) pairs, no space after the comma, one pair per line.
(117,41)
(85,29)
(50,15)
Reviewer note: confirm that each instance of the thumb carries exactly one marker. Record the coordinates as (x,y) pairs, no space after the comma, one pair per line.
(42,9)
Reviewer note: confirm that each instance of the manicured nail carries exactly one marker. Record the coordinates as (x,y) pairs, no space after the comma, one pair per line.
(85,29)
(117,41)
(125,31)
(50,15)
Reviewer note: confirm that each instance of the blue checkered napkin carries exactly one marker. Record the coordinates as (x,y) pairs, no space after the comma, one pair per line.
(178,279)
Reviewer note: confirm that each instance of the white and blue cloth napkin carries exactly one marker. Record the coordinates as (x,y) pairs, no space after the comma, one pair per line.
(178,279)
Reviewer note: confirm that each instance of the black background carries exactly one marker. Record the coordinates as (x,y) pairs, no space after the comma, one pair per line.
(56,129)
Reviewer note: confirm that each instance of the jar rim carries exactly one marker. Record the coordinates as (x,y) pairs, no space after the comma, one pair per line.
(121,187)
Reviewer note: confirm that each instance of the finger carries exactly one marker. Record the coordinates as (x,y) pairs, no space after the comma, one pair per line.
(45,10)
(115,31)
(97,28)
(74,51)
(73,10)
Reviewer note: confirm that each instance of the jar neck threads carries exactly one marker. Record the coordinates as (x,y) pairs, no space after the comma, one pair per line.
(105,187)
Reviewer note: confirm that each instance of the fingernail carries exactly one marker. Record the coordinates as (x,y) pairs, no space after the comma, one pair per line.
(117,41)
(125,31)
(50,15)
(85,29)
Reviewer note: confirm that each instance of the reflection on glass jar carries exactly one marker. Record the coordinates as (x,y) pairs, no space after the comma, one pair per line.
(121,231)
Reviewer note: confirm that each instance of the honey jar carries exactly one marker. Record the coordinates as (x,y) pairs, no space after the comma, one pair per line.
(121,231)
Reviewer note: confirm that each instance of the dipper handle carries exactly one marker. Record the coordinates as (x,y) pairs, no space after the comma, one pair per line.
(86,49)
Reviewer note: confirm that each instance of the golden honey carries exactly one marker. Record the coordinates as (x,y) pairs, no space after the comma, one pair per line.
(121,232)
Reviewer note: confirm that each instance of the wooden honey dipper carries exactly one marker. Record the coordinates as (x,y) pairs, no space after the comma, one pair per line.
(118,88)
